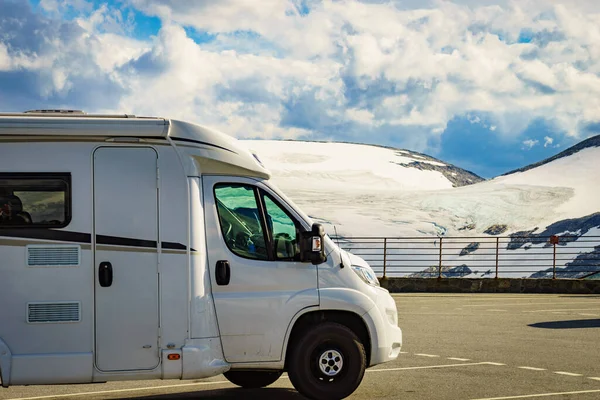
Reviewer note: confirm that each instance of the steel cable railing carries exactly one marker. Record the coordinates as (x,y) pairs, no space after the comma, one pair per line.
(513,256)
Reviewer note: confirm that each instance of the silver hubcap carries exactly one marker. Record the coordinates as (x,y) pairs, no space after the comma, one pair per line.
(331,362)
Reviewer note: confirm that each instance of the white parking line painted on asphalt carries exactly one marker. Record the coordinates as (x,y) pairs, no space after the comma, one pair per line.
(492,363)
(567,373)
(479,296)
(459,359)
(404,352)
(428,367)
(589,315)
(119,390)
(563,309)
(533,368)
(524,303)
(594,378)
(526,396)
(426,355)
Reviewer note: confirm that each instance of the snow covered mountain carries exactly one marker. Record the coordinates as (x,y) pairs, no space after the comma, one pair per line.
(373,191)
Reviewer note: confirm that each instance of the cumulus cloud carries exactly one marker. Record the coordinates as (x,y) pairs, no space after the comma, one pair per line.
(424,64)
(48,62)
(548,141)
(400,70)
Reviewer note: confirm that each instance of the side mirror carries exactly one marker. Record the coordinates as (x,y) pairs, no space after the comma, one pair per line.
(312,246)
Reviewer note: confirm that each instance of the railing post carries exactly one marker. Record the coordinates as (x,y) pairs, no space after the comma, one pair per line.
(497,254)
(554,240)
(440,264)
(554,261)
(384,254)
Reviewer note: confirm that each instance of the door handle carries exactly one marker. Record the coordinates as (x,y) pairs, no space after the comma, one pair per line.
(222,273)
(105,274)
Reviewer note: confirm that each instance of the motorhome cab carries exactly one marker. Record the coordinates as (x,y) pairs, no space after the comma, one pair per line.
(150,248)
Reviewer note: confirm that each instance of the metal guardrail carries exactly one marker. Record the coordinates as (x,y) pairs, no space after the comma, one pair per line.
(556,257)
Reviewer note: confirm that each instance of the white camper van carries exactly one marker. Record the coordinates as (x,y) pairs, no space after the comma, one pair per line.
(150,248)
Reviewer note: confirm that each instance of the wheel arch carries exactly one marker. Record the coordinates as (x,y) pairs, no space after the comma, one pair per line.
(349,319)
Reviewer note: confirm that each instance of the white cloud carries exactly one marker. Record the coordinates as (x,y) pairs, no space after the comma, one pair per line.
(5,59)
(56,63)
(57,7)
(239,93)
(548,141)
(529,143)
(361,116)
(474,120)
(275,71)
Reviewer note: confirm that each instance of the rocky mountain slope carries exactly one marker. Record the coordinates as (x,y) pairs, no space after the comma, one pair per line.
(373,191)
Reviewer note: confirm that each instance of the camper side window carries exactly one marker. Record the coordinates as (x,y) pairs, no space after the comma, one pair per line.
(240,221)
(30,200)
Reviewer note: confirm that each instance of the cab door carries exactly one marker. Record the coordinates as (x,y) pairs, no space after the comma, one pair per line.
(257,281)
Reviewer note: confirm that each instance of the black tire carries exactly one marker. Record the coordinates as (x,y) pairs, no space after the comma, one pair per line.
(312,348)
(252,379)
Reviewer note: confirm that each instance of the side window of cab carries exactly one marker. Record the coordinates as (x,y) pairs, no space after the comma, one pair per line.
(240,220)
(254,225)
(283,229)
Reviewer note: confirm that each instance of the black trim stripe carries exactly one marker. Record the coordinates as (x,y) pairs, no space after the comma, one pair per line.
(122,241)
(47,234)
(174,246)
(202,143)
(79,237)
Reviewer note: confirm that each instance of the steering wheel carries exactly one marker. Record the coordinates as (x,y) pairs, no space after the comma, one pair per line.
(241,240)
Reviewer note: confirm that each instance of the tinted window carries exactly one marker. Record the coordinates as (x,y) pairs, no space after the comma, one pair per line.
(35,200)
(283,231)
(240,221)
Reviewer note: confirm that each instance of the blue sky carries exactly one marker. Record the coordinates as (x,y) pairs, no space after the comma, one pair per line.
(487,85)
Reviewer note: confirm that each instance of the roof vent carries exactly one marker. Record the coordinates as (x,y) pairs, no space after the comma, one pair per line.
(69,112)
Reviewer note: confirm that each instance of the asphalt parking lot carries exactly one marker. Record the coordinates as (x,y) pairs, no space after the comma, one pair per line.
(481,346)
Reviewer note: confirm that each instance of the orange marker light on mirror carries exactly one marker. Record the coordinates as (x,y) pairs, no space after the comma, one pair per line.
(316,243)
(173,357)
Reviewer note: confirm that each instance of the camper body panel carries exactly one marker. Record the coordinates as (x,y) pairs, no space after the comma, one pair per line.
(70,346)
(203,315)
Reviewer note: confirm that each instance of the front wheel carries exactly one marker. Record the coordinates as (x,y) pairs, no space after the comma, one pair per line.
(328,362)
(252,379)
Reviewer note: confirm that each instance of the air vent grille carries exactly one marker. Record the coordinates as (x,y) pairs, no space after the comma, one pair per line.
(53,255)
(53,312)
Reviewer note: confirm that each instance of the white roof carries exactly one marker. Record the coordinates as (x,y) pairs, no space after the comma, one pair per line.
(59,124)
(195,139)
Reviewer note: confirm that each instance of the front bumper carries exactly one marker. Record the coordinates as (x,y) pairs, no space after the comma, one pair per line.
(386,336)
(390,350)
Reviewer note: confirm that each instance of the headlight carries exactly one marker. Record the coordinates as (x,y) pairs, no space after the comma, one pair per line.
(366,274)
